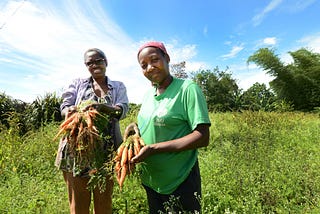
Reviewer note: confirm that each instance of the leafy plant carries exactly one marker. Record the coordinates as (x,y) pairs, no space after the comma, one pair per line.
(256,162)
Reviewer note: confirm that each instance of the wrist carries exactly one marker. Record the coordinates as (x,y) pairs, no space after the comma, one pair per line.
(117,111)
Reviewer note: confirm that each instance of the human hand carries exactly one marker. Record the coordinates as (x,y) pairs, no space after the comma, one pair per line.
(101,107)
(91,106)
(132,129)
(145,152)
(70,111)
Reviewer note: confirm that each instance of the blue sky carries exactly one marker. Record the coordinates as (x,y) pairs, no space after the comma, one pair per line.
(42,42)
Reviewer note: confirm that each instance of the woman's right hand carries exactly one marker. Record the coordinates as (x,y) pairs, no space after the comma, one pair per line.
(69,111)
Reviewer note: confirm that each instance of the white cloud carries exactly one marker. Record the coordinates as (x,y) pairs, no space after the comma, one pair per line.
(247,75)
(42,48)
(299,5)
(205,30)
(286,58)
(270,41)
(311,42)
(257,19)
(49,43)
(196,66)
(234,51)
(179,54)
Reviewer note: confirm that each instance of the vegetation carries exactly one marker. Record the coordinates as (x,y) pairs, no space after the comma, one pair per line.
(220,89)
(263,155)
(297,82)
(257,162)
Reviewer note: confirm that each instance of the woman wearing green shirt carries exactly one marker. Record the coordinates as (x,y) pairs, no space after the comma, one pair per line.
(174,122)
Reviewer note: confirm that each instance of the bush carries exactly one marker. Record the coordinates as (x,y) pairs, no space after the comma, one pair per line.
(256,162)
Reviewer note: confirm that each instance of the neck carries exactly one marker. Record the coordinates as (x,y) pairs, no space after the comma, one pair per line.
(162,86)
(165,83)
(99,81)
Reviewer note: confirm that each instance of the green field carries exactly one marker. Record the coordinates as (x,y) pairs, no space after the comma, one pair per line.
(256,162)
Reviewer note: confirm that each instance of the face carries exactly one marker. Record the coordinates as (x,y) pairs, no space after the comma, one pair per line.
(154,64)
(96,64)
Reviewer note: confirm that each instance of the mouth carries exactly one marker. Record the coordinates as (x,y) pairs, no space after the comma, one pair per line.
(97,71)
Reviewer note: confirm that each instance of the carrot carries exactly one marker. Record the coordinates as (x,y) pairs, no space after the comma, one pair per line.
(119,152)
(117,166)
(94,128)
(118,175)
(68,120)
(74,128)
(70,125)
(58,134)
(130,152)
(93,112)
(124,156)
(80,131)
(142,143)
(89,121)
(81,128)
(123,175)
(136,130)
(137,145)
(130,128)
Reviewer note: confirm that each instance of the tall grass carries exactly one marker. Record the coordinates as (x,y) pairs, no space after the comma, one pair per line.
(262,163)
(256,162)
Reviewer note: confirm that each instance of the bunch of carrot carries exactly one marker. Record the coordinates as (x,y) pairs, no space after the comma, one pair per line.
(80,130)
(126,151)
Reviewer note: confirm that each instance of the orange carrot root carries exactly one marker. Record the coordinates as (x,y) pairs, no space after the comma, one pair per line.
(124,156)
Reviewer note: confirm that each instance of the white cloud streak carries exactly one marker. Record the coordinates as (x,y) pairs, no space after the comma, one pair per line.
(257,19)
(42,47)
(234,51)
(300,5)
(246,76)
(311,42)
(270,41)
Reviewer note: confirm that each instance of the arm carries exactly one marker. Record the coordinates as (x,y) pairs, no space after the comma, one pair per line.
(120,98)
(68,111)
(198,138)
(113,111)
(69,99)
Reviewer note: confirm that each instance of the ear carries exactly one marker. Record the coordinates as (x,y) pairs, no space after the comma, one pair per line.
(167,57)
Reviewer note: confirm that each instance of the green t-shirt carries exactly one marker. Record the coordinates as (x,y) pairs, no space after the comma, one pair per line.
(171,115)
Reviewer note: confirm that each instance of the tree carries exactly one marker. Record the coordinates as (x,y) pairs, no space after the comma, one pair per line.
(298,82)
(12,112)
(178,70)
(44,110)
(220,89)
(257,97)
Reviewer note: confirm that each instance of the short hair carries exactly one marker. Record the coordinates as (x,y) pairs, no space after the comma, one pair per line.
(100,52)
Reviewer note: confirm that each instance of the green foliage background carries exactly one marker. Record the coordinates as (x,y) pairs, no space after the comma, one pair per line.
(257,162)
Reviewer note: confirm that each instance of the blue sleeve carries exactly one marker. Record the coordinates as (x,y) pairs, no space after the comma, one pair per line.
(121,99)
(69,95)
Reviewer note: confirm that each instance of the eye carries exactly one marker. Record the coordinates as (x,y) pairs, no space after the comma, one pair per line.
(154,60)
(89,64)
(96,62)
(143,66)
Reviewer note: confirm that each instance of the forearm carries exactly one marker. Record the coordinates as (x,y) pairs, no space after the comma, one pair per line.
(114,111)
(67,111)
(64,112)
(197,139)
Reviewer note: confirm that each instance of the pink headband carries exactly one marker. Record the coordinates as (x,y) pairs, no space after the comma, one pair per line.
(155,44)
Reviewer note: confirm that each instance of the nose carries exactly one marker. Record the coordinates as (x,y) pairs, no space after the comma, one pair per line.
(150,68)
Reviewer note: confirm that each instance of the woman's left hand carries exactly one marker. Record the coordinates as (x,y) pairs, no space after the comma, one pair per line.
(145,152)
(104,108)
